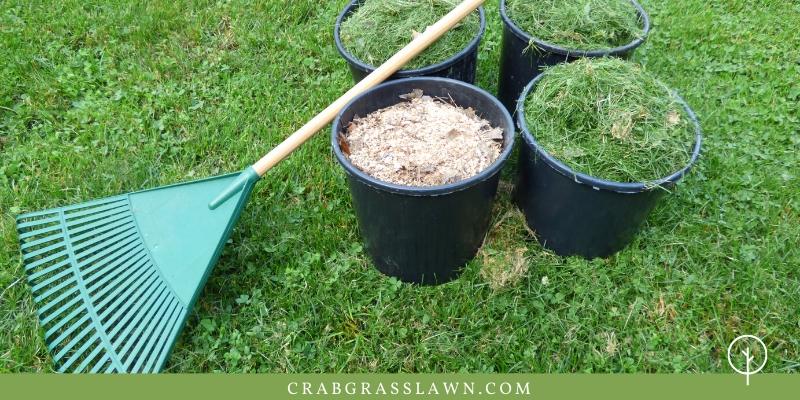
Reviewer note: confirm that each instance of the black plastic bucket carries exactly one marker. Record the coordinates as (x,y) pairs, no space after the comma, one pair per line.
(424,234)
(576,214)
(462,66)
(518,65)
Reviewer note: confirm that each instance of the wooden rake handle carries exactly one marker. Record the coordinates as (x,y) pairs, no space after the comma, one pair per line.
(392,65)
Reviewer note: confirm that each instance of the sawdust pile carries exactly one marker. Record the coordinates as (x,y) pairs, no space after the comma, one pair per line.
(423,141)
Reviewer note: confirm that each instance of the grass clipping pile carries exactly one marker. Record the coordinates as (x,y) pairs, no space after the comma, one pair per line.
(422,141)
(610,119)
(379,28)
(578,24)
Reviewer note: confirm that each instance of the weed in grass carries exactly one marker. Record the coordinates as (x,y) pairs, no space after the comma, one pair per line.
(379,28)
(610,119)
(578,25)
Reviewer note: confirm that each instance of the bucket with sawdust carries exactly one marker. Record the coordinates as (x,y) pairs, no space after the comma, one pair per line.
(422,158)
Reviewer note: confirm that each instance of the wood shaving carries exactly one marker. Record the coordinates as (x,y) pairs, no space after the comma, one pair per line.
(422,141)
(673,118)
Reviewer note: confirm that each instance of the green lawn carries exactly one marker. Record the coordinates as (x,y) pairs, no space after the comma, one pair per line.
(99,99)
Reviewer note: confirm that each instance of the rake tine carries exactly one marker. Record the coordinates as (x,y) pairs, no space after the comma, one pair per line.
(137,327)
(91,356)
(133,284)
(159,354)
(145,299)
(50,280)
(94,204)
(53,343)
(55,290)
(99,364)
(155,327)
(37,232)
(94,215)
(36,214)
(124,256)
(117,314)
(58,312)
(100,283)
(50,220)
(105,225)
(101,241)
(72,328)
(37,242)
(101,252)
(48,259)
(44,271)
(74,342)
(43,250)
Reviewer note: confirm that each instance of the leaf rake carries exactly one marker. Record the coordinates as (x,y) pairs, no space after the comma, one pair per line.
(114,279)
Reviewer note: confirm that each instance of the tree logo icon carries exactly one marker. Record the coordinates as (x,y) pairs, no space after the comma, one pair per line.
(743,352)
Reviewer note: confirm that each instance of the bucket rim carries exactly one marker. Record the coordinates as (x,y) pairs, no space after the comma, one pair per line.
(554,48)
(509,133)
(405,73)
(599,183)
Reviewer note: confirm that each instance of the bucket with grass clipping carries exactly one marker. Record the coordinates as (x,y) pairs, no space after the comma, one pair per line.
(525,54)
(577,213)
(454,56)
(422,234)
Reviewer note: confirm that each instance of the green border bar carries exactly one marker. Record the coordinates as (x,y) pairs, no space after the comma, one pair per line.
(277,386)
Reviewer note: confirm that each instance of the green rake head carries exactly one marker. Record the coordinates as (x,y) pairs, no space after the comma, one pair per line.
(114,279)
